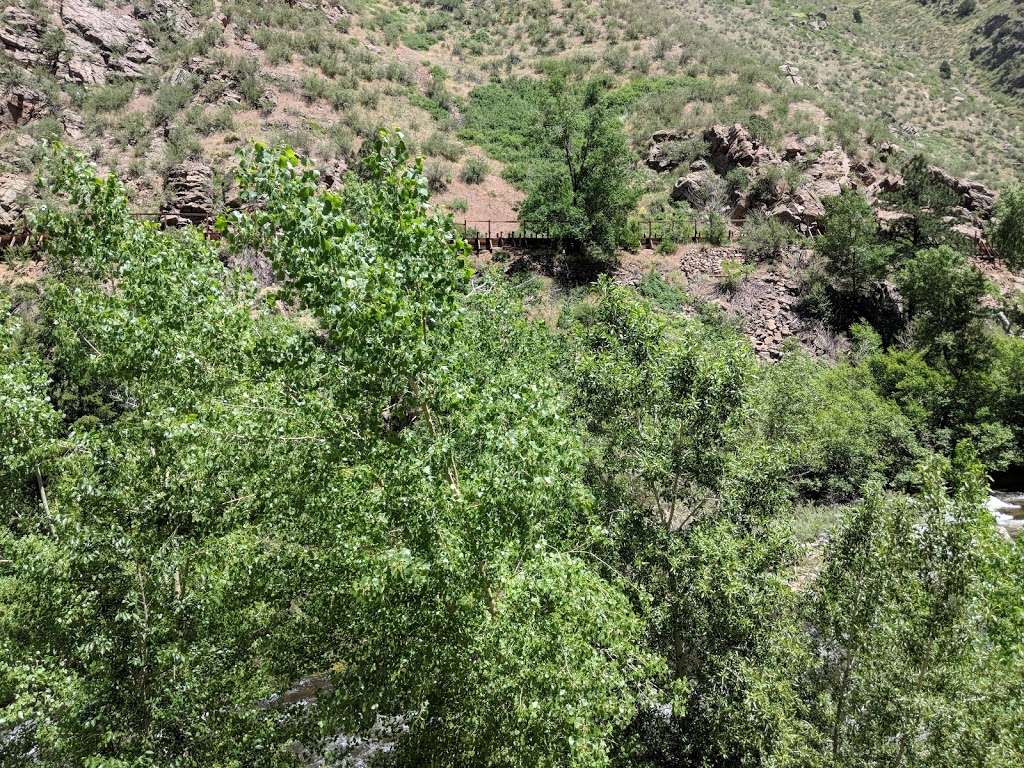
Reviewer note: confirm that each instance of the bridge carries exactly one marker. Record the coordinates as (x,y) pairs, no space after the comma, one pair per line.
(489,234)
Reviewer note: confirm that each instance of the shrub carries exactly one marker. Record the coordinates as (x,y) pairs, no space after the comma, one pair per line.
(474,170)
(438,174)
(314,87)
(966,8)
(737,180)
(765,237)
(858,17)
(440,144)
(169,100)
(945,70)
(762,129)
(107,99)
(717,231)
(734,272)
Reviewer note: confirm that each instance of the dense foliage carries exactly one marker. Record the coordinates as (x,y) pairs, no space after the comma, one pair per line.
(584,189)
(924,317)
(245,523)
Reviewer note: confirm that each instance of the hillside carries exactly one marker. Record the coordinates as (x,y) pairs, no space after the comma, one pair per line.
(995,33)
(144,87)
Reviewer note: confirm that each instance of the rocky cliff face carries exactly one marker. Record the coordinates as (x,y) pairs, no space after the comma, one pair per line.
(188,190)
(77,41)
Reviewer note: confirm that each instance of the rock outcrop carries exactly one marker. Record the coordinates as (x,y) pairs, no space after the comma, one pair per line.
(693,188)
(659,157)
(188,194)
(826,177)
(100,41)
(766,301)
(79,42)
(734,146)
(792,184)
(172,15)
(20,105)
(976,198)
(21,36)
(12,187)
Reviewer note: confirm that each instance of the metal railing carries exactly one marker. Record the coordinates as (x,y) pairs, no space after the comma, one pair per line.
(485,234)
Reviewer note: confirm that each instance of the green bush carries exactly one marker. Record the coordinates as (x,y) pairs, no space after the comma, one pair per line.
(734,272)
(441,144)
(438,174)
(765,237)
(107,99)
(717,230)
(169,100)
(474,170)
(966,8)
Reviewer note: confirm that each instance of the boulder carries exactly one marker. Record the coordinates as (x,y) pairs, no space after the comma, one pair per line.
(332,173)
(883,183)
(826,177)
(188,194)
(793,148)
(792,73)
(12,188)
(20,105)
(829,173)
(693,188)
(732,146)
(801,210)
(890,221)
(658,156)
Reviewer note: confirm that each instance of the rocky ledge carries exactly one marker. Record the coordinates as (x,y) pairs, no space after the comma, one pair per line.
(791,183)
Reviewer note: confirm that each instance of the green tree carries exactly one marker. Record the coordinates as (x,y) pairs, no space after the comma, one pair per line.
(584,189)
(908,618)
(943,291)
(216,500)
(1007,232)
(928,203)
(693,519)
(855,260)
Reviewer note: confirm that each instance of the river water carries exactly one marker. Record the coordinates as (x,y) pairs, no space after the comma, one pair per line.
(1008,509)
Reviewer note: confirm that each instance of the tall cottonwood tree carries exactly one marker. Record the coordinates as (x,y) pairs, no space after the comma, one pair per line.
(586,188)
